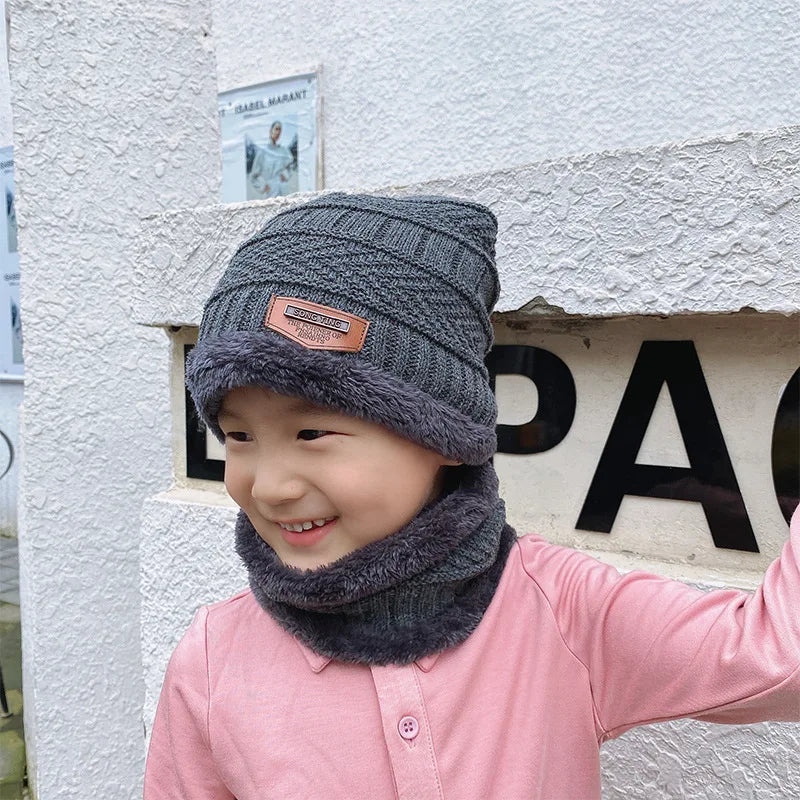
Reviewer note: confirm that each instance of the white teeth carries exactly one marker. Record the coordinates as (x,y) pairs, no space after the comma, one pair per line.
(299,527)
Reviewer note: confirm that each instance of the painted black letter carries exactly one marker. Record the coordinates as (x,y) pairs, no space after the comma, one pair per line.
(710,480)
(556,389)
(786,448)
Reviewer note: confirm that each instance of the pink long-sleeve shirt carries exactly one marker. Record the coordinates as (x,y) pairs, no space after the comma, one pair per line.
(569,654)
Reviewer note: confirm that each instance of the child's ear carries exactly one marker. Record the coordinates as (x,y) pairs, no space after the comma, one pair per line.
(451,462)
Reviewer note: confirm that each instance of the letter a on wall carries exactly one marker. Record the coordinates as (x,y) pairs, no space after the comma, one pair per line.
(709,480)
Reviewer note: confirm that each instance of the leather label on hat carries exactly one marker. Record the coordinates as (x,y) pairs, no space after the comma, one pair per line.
(315,326)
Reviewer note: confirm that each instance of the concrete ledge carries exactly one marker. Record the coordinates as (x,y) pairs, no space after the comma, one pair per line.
(709,226)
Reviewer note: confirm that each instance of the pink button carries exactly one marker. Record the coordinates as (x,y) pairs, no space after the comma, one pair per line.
(408,727)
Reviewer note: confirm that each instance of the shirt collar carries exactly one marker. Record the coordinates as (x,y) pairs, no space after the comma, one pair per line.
(318,662)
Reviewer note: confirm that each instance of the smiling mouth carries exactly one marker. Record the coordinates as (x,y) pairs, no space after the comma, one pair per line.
(302,527)
(307,537)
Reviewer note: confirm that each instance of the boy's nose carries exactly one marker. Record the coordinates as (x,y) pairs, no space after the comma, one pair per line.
(275,484)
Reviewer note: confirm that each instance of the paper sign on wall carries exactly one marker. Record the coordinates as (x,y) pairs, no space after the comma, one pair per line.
(270,139)
(10,321)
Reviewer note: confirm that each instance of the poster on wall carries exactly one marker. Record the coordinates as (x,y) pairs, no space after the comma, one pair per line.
(10,320)
(271,139)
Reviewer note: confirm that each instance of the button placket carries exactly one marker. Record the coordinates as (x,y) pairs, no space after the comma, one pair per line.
(405,730)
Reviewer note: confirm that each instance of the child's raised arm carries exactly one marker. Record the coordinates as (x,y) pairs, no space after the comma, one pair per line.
(656,649)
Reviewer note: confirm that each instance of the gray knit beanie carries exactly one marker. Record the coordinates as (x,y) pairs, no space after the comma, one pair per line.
(375,306)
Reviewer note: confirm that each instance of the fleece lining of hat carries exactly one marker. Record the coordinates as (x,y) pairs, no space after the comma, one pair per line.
(336,380)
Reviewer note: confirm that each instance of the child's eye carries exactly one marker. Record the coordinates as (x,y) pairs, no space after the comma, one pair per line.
(308,434)
(238,436)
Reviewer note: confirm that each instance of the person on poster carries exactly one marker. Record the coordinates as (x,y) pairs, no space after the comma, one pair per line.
(16,334)
(11,221)
(272,165)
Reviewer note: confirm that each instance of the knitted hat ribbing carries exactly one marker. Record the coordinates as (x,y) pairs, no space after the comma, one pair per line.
(410,281)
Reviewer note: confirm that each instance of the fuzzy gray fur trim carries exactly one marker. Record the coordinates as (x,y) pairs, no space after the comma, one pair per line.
(421,590)
(428,540)
(338,380)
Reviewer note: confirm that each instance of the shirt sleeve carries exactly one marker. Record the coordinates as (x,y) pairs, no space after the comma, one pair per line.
(656,649)
(180,764)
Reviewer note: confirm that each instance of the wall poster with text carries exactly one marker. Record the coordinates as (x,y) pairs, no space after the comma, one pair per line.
(10,320)
(271,139)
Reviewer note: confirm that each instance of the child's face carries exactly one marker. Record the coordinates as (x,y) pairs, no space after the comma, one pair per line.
(290,462)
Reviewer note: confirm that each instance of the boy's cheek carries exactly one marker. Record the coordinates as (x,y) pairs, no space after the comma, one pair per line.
(235,484)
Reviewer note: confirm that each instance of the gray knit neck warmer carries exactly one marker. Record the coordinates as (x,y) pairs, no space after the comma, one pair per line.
(419,591)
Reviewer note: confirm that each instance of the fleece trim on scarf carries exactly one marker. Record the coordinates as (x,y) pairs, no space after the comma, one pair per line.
(421,590)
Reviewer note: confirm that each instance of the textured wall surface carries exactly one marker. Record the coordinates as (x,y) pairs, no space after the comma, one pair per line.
(5,85)
(712,226)
(417,90)
(687,760)
(188,559)
(114,116)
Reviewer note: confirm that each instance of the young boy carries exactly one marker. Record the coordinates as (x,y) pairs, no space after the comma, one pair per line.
(398,640)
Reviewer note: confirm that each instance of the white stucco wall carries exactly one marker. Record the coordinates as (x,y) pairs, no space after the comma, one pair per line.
(418,90)
(114,116)
(191,248)
(705,226)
